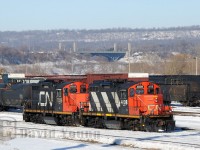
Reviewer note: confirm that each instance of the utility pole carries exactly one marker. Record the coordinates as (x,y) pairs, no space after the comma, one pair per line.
(196,66)
(129,54)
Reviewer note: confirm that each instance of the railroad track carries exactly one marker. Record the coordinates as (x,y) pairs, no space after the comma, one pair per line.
(24,129)
(181,113)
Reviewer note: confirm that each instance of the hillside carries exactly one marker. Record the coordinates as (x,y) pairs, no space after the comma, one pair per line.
(163,39)
(160,51)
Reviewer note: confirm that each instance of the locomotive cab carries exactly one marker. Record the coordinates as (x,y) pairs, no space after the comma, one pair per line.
(75,96)
(145,98)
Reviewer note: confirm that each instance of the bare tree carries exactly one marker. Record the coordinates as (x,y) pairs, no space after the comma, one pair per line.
(179,64)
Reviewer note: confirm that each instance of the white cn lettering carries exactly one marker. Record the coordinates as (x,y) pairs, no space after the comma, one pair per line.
(47,98)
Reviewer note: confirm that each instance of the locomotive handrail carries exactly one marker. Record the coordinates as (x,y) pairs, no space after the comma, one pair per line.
(142,101)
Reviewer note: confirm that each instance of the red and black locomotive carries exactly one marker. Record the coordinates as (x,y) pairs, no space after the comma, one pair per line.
(102,104)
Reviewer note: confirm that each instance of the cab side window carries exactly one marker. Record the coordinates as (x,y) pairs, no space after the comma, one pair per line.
(58,93)
(73,89)
(83,89)
(66,91)
(131,92)
(123,94)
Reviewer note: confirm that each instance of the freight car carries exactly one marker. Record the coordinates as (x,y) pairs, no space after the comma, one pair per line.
(115,105)
(14,95)
(181,88)
(15,90)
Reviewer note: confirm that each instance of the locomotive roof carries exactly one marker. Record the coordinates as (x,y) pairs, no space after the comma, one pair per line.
(100,83)
(53,84)
(61,85)
(127,85)
(119,85)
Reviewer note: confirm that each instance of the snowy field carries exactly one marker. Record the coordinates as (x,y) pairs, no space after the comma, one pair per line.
(48,144)
(179,107)
(18,135)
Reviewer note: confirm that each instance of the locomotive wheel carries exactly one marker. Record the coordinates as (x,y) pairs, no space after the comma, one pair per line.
(33,118)
(136,125)
(151,125)
(40,119)
(77,122)
(170,125)
(84,121)
(1,108)
(149,128)
(26,118)
(95,122)
(65,121)
(75,119)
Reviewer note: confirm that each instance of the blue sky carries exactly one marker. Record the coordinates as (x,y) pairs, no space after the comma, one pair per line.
(18,15)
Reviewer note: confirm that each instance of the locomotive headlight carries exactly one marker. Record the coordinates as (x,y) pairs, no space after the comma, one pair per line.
(156,99)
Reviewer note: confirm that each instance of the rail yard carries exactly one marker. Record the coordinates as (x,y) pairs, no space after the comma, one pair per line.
(166,117)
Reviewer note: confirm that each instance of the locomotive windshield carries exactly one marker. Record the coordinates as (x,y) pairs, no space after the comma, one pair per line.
(73,89)
(150,89)
(139,89)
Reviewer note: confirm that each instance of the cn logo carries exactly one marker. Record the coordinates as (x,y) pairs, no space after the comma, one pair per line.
(44,96)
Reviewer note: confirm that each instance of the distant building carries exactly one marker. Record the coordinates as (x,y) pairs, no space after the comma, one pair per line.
(74,47)
(115,47)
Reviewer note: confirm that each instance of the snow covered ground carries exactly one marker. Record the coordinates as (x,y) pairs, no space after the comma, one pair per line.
(19,135)
(179,107)
(48,144)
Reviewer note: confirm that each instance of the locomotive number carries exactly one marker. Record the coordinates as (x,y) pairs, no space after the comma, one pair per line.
(47,98)
(124,102)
